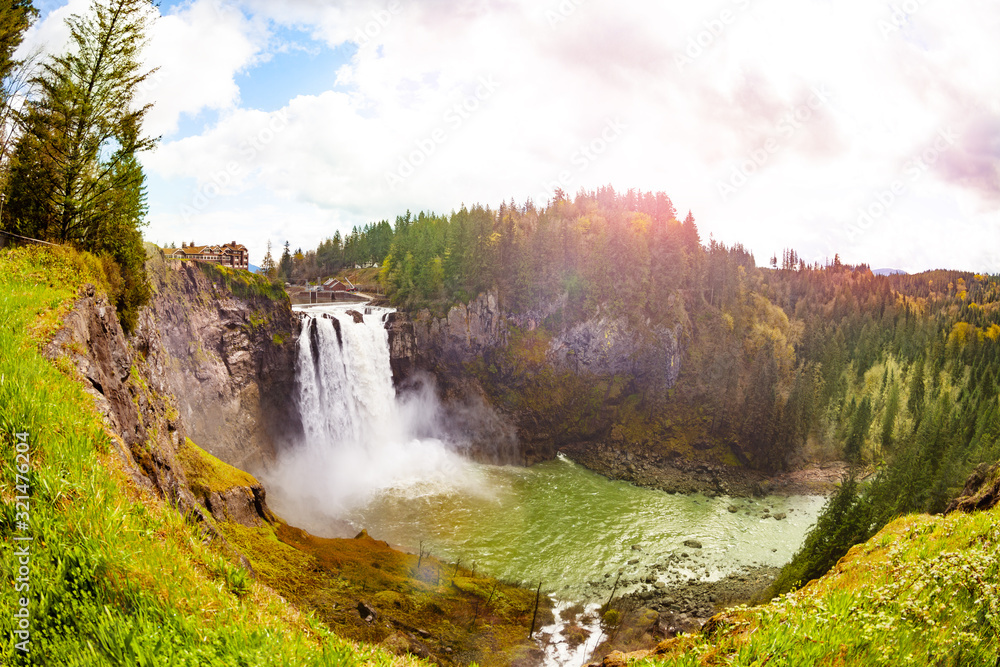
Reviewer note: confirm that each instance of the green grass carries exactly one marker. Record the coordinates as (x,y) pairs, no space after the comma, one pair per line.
(117,577)
(924,591)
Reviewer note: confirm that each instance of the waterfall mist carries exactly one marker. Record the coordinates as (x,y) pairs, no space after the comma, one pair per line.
(360,438)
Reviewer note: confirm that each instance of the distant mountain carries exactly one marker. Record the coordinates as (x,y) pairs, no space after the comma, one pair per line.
(890,272)
(254,269)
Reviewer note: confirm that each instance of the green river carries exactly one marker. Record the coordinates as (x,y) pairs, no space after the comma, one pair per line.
(566,526)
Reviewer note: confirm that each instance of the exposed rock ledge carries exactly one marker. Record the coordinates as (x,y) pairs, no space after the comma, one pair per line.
(677,475)
(981,492)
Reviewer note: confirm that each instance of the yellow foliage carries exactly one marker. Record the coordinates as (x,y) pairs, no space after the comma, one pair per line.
(640,224)
(963,332)
(993,332)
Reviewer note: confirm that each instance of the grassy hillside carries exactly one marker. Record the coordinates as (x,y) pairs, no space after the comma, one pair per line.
(114,575)
(923,591)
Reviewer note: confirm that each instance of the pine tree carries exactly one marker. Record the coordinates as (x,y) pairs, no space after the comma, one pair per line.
(76,178)
(285,265)
(16,16)
(84,131)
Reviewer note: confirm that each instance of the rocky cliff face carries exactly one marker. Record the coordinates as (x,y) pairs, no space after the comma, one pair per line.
(561,387)
(229,360)
(467,332)
(606,346)
(201,364)
(981,492)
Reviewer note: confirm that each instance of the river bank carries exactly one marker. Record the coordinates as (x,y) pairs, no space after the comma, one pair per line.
(679,475)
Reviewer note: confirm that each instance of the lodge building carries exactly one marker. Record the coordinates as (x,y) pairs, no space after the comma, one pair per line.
(230,254)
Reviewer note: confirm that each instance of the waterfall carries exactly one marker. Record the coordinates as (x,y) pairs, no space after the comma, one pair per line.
(360,438)
(344,378)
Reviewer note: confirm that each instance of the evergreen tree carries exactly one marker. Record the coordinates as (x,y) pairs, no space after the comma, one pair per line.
(860,423)
(889,417)
(76,178)
(16,16)
(83,133)
(915,400)
(285,264)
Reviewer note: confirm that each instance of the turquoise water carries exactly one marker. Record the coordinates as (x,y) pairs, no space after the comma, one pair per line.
(566,526)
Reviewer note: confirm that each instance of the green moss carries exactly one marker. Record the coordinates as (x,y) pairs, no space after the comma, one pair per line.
(257,320)
(207,474)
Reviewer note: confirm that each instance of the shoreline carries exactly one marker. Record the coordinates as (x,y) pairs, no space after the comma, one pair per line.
(675,475)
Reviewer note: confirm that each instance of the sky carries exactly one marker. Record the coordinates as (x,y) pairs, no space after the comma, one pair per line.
(863,128)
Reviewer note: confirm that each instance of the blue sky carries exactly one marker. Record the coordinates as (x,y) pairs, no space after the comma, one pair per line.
(866,129)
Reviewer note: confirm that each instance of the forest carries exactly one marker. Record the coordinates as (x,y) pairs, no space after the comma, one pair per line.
(895,374)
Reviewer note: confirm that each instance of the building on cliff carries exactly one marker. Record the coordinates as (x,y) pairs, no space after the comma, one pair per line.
(231,254)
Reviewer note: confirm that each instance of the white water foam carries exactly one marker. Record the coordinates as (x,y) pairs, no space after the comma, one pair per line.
(360,439)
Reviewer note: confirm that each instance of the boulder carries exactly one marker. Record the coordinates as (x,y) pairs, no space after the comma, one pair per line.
(366,612)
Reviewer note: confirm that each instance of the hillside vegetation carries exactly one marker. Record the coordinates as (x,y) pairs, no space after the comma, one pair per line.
(923,591)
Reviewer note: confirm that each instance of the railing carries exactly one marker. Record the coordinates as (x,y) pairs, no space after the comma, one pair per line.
(6,237)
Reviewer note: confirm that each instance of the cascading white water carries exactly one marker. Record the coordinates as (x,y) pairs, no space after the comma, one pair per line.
(359,437)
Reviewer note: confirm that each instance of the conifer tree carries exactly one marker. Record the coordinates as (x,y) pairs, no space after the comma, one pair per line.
(84,131)
(16,16)
(76,178)
(285,265)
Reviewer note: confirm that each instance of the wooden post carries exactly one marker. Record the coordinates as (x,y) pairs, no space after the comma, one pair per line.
(613,589)
(534,615)
(495,584)
(476,616)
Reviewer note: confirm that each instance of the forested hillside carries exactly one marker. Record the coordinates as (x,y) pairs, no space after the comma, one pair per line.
(782,365)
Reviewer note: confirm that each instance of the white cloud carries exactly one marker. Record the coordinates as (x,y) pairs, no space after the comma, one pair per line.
(198,51)
(700,89)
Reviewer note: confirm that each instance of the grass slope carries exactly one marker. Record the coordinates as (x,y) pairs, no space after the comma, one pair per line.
(116,576)
(924,591)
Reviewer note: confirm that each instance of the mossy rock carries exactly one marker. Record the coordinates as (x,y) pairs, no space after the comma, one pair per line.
(207,474)
(393,600)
